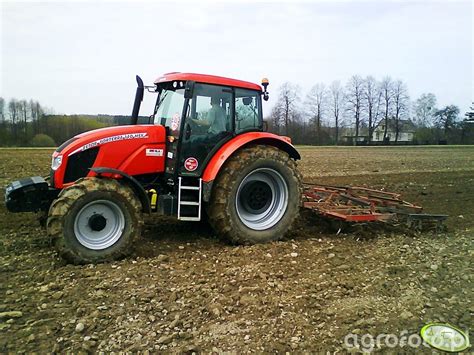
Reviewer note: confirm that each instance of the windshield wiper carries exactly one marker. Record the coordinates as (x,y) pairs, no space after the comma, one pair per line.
(161,101)
(157,106)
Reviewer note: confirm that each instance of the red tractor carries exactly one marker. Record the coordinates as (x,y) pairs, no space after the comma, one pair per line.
(203,152)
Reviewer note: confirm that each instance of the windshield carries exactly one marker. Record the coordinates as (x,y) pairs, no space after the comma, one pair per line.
(169,108)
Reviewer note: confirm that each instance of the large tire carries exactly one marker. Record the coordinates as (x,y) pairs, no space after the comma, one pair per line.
(256,196)
(95,220)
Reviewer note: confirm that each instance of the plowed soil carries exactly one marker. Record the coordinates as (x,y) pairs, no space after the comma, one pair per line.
(183,290)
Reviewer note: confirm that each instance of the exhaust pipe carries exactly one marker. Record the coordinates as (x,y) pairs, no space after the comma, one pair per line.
(138,101)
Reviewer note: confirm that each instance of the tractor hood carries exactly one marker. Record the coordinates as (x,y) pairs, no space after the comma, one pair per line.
(110,147)
(126,135)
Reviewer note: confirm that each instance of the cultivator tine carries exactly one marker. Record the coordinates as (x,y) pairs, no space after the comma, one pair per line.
(360,204)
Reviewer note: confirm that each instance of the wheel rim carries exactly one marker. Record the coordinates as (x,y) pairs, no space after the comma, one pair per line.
(262,199)
(99,224)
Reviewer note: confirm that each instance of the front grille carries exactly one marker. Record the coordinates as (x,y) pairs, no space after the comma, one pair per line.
(78,164)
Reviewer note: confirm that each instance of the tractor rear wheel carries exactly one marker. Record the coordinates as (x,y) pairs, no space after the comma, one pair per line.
(95,220)
(256,197)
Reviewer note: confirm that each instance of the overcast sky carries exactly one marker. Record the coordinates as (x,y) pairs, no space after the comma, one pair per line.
(81,57)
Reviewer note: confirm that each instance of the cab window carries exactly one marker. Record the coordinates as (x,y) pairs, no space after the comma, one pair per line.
(247,110)
(210,111)
(169,109)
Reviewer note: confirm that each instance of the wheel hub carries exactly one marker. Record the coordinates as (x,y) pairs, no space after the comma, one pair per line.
(256,196)
(97,222)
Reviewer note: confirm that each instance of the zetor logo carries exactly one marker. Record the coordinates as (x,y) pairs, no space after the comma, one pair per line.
(191,164)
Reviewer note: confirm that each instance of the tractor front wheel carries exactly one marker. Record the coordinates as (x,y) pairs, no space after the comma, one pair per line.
(95,220)
(256,196)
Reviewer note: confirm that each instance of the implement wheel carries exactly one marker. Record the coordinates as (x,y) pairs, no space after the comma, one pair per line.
(256,197)
(95,220)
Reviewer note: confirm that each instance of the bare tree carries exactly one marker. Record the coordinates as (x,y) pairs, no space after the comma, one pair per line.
(372,98)
(315,104)
(470,114)
(336,93)
(34,117)
(386,87)
(286,105)
(401,103)
(2,110)
(4,134)
(296,130)
(425,109)
(276,118)
(13,113)
(354,97)
(39,114)
(23,111)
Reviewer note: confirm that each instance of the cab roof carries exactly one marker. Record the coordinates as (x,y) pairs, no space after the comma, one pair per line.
(208,79)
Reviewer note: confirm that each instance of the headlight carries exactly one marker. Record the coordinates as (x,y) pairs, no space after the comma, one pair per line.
(56,162)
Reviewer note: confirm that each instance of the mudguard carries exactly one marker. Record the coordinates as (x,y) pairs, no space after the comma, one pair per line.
(240,141)
(134,184)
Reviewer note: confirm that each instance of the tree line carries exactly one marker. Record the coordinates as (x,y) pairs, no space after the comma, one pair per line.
(361,111)
(27,123)
(366,111)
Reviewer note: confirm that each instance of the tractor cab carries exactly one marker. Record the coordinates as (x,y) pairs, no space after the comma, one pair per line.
(201,114)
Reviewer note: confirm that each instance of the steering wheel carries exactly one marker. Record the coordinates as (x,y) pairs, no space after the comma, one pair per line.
(196,128)
(193,124)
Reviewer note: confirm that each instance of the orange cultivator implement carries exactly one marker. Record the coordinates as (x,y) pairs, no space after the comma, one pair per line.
(359,204)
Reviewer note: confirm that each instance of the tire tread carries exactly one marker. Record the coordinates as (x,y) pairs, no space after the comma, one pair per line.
(219,215)
(68,196)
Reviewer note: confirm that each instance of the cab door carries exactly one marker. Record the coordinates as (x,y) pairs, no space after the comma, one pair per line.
(208,123)
(169,110)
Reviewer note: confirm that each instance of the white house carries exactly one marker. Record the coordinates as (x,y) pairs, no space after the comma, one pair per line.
(405,134)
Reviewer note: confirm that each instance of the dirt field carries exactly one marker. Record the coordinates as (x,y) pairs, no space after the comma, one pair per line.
(183,290)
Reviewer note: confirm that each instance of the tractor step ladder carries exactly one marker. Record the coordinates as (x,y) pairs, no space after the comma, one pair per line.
(193,195)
